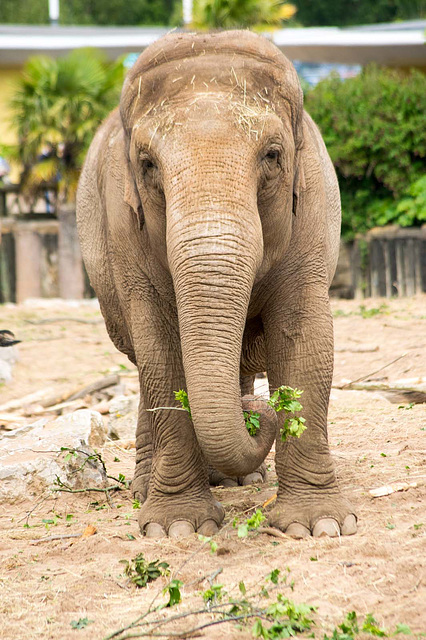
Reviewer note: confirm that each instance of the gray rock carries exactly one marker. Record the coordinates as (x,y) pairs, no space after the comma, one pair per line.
(8,357)
(123,417)
(48,452)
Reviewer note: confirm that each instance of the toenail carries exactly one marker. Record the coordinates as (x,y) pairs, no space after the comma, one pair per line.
(297,530)
(326,527)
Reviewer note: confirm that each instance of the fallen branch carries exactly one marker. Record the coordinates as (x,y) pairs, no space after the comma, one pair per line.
(349,384)
(87,390)
(392,488)
(362,349)
(64,319)
(58,536)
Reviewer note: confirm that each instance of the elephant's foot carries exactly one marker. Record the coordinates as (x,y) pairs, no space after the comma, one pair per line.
(180,515)
(317,515)
(219,479)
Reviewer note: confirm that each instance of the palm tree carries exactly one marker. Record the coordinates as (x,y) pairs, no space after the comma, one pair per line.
(57,107)
(228,14)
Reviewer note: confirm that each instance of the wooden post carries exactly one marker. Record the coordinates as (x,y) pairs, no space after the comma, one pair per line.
(71,278)
(28,253)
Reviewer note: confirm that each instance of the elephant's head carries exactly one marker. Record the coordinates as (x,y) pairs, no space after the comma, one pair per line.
(213,130)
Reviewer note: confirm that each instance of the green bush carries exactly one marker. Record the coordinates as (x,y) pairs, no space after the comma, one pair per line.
(374,126)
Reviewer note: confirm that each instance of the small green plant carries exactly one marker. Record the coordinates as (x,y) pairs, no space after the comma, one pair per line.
(252,420)
(182,397)
(136,504)
(253,522)
(214,594)
(403,628)
(81,623)
(347,630)
(208,540)
(371,626)
(286,399)
(407,406)
(288,619)
(273,576)
(140,572)
(51,522)
(374,311)
(173,590)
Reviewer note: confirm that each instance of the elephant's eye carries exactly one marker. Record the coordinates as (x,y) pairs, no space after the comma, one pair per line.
(272,155)
(148,165)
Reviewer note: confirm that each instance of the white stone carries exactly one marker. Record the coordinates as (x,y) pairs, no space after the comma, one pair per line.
(123,417)
(32,459)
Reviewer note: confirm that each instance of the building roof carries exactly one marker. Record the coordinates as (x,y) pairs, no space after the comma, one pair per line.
(385,44)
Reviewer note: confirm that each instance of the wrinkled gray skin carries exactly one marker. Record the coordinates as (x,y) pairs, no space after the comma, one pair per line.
(209,216)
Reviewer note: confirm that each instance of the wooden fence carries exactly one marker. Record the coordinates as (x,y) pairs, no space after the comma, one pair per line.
(389,261)
(41,258)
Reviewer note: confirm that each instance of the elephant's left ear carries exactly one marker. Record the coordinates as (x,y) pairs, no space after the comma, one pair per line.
(299,181)
(131,193)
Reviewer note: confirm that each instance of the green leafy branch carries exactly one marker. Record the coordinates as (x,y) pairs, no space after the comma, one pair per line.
(140,572)
(252,523)
(286,399)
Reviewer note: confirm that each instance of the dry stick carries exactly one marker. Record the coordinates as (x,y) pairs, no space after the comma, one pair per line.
(56,537)
(348,384)
(180,616)
(136,622)
(189,632)
(114,487)
(64,319)
(27,516)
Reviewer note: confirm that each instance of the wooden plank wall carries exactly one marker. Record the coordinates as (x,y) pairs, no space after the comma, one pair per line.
(389,261)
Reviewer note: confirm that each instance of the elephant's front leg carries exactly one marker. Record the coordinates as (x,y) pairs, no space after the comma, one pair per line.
(178,500)
(143,464)
(299,341)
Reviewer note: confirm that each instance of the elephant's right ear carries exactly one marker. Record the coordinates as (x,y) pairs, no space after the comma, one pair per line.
(131,193)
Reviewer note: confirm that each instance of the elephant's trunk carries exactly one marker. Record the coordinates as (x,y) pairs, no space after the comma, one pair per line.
(213,258)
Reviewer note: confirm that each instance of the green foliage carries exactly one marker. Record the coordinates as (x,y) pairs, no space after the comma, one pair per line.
(286,399)
(141,572)
(214,594)
(116,12)
(287,618)
(348,628)
(81,623)
(182,397)
(406,212)
(354,12)
(229,14)
(373,311)
(403,628)
(208,540)
(370,626)
(173,591)
(374,126)
(252,420)
(252,523)
(89,12)
(58,105)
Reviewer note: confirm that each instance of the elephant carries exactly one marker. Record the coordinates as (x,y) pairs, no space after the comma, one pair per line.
(208,213)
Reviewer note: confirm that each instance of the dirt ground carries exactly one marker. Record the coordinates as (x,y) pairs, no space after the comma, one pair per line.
(45,586)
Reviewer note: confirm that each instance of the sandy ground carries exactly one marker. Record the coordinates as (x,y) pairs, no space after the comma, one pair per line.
(46,586)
